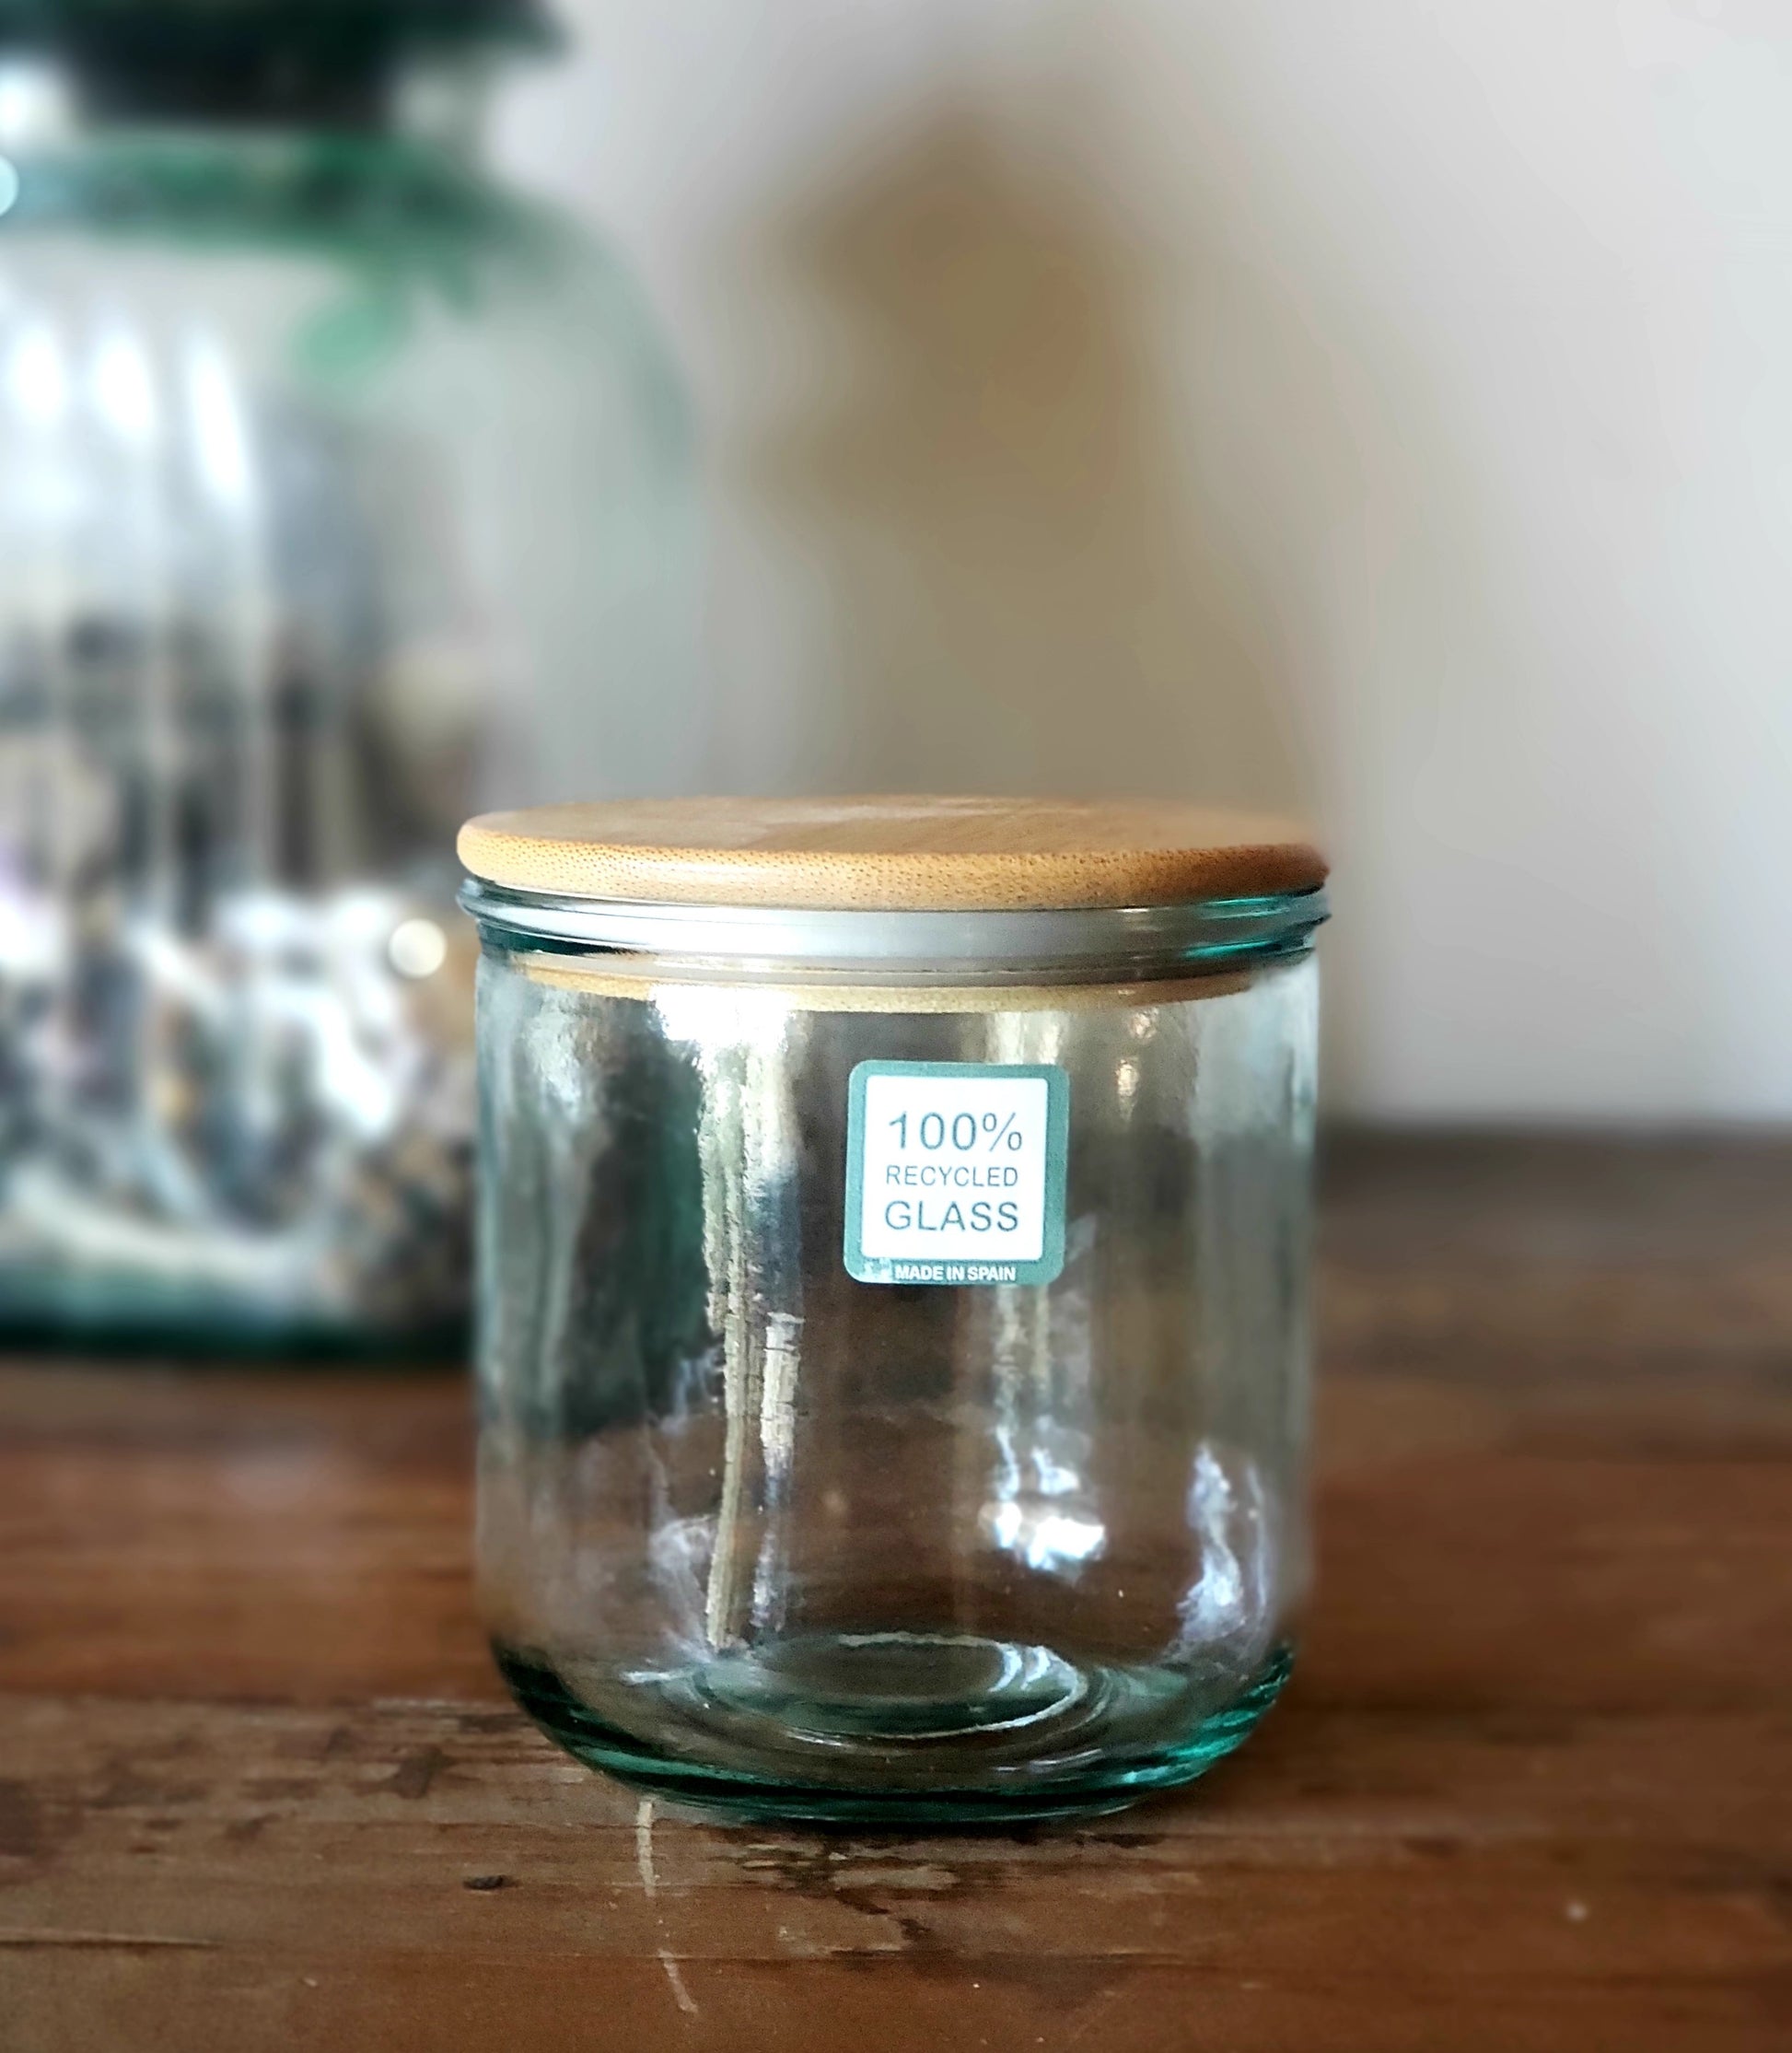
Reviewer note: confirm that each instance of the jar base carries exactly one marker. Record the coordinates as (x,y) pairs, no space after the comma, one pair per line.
(897,1688)
(905,1730)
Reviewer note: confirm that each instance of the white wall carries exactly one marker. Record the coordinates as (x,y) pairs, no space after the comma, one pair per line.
(1384,408)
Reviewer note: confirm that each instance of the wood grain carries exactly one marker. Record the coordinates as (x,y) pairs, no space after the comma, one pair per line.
(891,853)
(1532,1787)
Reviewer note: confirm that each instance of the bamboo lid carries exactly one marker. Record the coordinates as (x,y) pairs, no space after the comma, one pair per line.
(891,854)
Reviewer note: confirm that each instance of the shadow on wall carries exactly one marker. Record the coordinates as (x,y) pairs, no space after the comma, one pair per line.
(1026,593)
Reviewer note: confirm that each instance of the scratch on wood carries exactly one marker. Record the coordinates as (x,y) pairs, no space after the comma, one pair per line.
(103,1939)
(416,1771)
(1083,2025)
(682,1996)
(22,1821)
(643,1846)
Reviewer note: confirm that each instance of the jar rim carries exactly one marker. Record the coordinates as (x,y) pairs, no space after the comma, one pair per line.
(1086,943)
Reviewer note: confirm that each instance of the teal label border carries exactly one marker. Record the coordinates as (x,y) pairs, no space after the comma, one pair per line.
(881,1268)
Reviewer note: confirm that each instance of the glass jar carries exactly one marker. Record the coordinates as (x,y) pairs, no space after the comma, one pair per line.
(317,446)
(892,1358)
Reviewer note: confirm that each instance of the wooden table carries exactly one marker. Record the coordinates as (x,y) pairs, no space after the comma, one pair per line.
(1532,1787)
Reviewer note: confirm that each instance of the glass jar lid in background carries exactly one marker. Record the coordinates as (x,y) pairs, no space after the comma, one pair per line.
(329,62)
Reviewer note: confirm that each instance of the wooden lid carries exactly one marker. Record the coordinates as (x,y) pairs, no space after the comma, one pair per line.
(886,854)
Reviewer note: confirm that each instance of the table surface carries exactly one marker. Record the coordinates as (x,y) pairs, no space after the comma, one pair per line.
(1532,1787)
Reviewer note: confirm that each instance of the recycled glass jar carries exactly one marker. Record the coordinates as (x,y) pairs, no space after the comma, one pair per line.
(317,446)
(894,1345)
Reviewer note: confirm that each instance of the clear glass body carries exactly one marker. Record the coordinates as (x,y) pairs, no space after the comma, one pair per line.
(333,479)
(755,1534)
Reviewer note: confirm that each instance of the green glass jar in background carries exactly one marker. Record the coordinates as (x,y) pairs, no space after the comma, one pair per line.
(318,451)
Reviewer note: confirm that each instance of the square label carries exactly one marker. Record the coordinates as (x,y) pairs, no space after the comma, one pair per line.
(955,1172)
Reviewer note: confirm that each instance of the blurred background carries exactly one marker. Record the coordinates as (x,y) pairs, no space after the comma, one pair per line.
(1384,410)
(1380,413)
